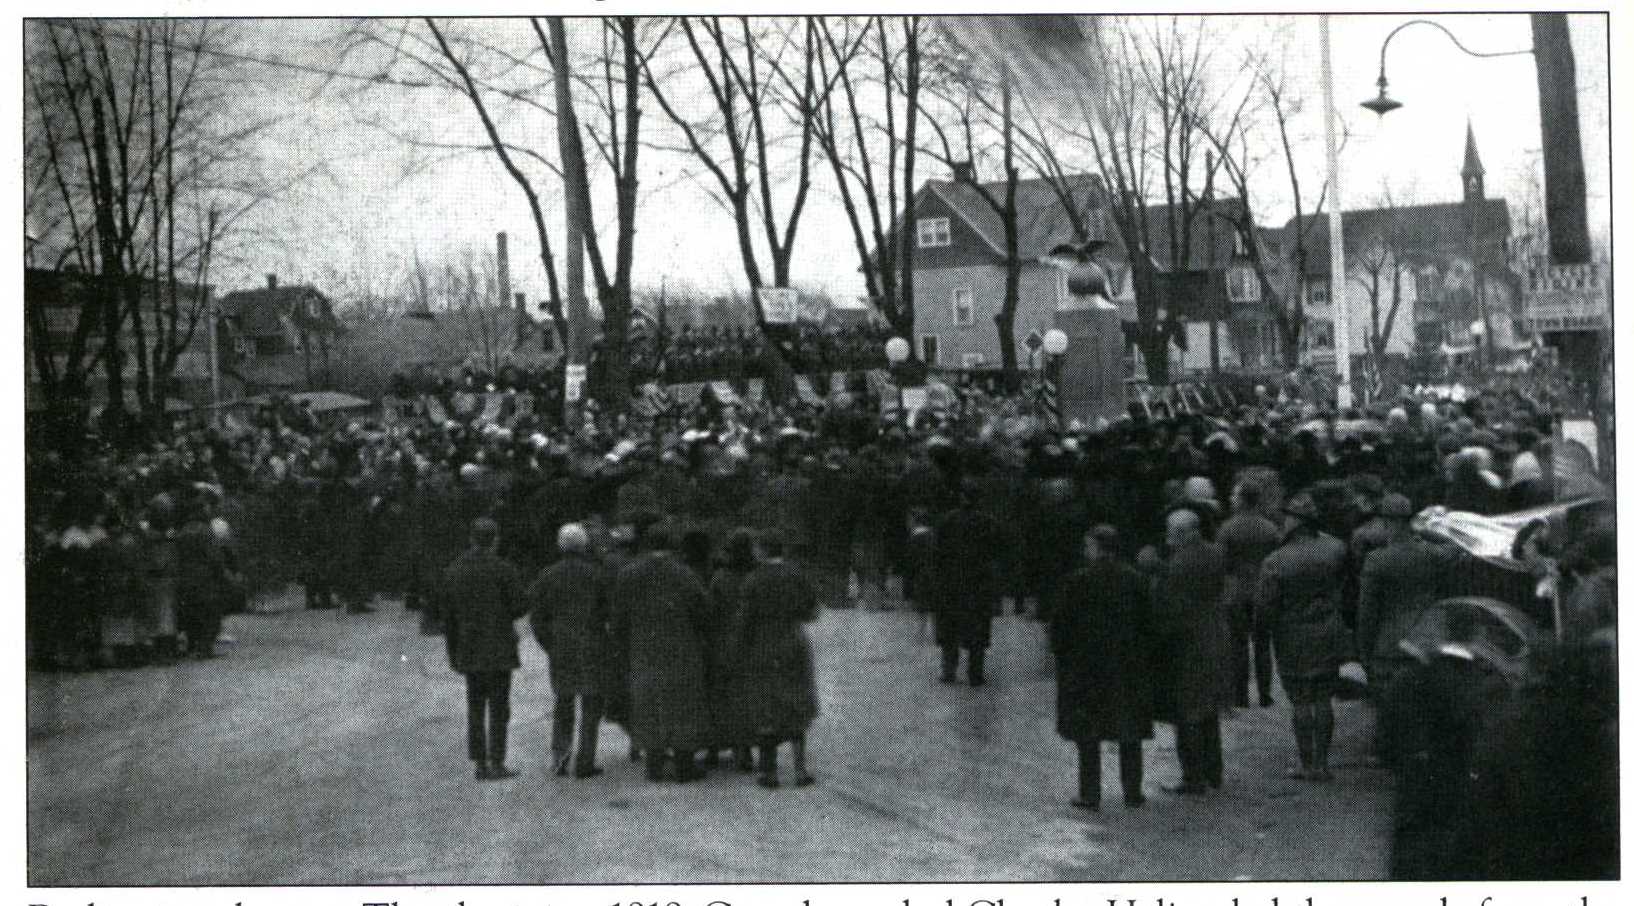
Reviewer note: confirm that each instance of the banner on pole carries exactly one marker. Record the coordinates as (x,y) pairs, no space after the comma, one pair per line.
(573,383)
(779,304)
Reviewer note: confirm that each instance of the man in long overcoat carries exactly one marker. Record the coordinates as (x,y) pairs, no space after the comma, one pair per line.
(481,599)
(1301,584)
(659,609)
(777,677)
(1398,582)
(569,617)
(1188,596)
(1100,632)
(1248,537)
(966,572)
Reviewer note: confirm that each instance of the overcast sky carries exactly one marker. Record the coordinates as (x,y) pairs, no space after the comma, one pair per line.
(382,201)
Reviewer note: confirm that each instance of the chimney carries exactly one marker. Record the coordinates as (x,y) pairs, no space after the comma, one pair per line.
(964,171)
(504,270)
(272,281)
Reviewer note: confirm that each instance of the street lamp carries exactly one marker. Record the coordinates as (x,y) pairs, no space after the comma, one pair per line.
(897,351)
(1384,103)
(1055,346)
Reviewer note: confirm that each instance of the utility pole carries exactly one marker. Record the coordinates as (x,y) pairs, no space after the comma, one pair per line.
(573,178)
(1336,231)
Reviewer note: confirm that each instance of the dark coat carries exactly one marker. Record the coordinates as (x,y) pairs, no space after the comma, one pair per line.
(1436,712)
(1100,632)
(203,585)
(729,712)
(1193,631)
(777,679)
(481,599)
(659,608)
(965,565)
(569,618)
(1300,588)
(1398,582)
(1247,539)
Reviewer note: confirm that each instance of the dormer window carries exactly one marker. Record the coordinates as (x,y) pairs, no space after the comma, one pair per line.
(934,232)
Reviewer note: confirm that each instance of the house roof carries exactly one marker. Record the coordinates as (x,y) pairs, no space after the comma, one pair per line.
(1431,230)
(1042,222)
(259,312)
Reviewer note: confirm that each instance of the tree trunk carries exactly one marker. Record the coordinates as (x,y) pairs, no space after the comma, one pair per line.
(1151,338)
(111,288)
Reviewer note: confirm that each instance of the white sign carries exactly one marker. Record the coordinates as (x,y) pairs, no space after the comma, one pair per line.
(780,304)
(573,385)
(1565,297)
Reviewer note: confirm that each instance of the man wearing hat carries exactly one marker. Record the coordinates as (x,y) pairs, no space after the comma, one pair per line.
(1299,595)
(1187,604)
(1398,581)
(569,618)
(481,600)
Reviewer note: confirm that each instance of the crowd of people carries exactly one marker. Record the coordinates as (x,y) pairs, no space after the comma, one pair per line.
(688,355)
(1275,530)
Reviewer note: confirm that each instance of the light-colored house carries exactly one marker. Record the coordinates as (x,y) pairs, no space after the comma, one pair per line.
(1422,261)
(959,273)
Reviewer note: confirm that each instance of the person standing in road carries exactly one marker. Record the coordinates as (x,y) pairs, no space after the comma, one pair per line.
(481,600)
(778,677)
(1188,595)
(727,706)
(569,620)
(659,611)
(1100,634)
(1247,538)
(1299,594)
(965,565)
(1398,581)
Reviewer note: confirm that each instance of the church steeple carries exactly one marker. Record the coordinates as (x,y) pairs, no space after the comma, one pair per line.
(1474,174)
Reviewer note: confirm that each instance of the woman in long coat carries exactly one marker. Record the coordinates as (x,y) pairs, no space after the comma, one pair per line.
(777,679)
(728,711)
(659,608)
(1101,636)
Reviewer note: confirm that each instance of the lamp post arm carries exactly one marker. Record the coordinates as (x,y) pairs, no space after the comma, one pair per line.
(1385,47)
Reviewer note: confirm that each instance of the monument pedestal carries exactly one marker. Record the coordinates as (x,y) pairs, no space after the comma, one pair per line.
(1091,375)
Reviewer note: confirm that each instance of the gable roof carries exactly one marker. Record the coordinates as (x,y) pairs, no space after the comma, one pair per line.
(1042,222)
(1428,229)
(260,312)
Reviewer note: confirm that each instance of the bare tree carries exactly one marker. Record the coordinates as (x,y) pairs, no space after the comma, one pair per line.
(139,128)
(874,70)
(1279,270)
(1145,131)
(1382,265)
(744,65)
(981,106)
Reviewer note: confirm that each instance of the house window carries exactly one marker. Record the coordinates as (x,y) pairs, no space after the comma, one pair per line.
(933,232)
(1317,293)
(1095,224)
(1238,246)
(930,349)
(1319,335)
(1242,284)
(972,360)
(964,307)
(1423,284)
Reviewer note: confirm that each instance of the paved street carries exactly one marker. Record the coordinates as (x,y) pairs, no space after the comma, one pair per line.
(324,748)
